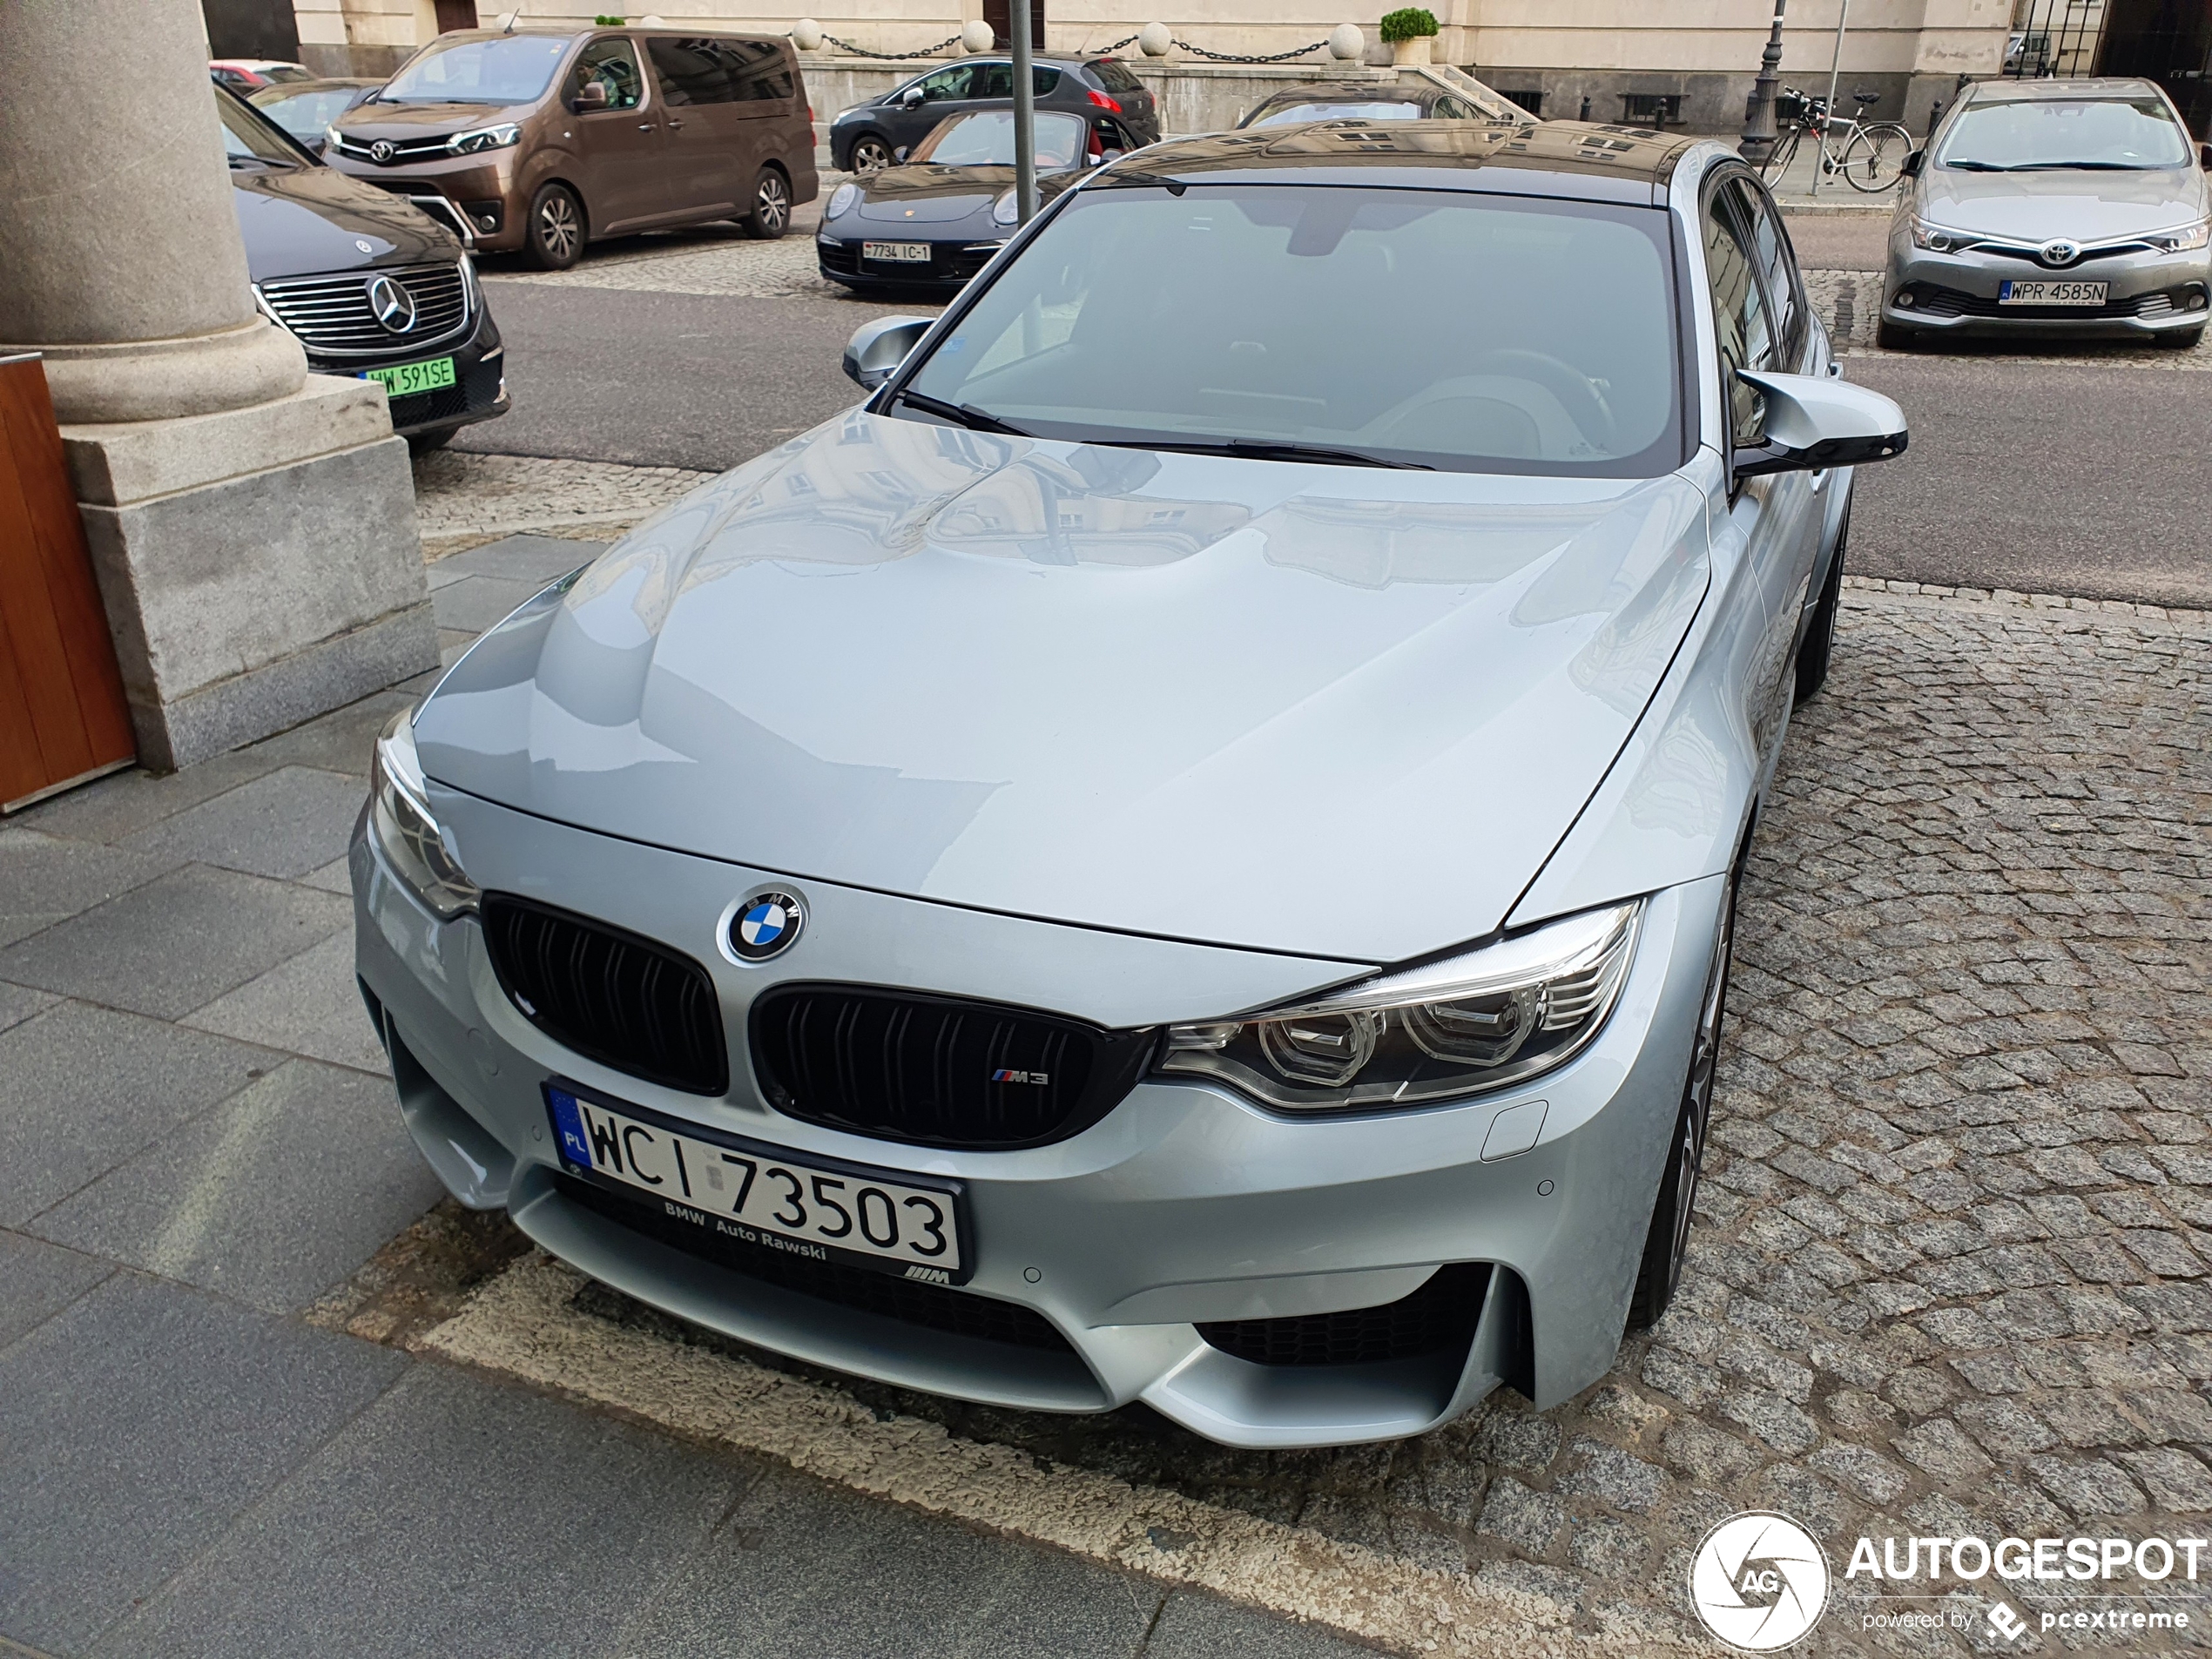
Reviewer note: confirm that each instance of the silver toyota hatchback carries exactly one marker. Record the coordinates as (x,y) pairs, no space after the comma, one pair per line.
(2054,208)
(1184,850)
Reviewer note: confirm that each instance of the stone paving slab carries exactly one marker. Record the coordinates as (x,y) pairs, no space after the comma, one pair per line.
(1952,1270)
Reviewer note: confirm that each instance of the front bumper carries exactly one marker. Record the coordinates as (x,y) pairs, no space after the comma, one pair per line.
(485,187)
(2147,295)
(479,391)
(952,262)
(1185,1203)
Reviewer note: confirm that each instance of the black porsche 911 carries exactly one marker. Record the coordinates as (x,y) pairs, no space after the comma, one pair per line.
(934,221)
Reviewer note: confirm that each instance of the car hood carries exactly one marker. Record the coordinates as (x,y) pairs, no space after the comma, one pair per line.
(1326,710)
(367,122)
(303,220)
(2079,206)
(933,195)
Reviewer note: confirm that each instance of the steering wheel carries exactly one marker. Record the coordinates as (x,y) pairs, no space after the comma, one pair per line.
(1580,395)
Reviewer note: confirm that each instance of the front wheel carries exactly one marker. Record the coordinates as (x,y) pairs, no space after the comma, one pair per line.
(1660,1272)
(1819,647)
(870,153)
(2183,339)
(771,214)
(1778,159)
(1875,158)
(556,236)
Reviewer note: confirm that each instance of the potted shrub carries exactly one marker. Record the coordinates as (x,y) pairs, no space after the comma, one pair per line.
(1409,30)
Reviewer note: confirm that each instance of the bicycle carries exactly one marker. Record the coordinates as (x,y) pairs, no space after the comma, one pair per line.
(1870,155)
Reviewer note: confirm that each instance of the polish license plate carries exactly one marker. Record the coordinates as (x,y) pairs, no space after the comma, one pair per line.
(761,1195)
(897,253)
(2051,293)
(410,378)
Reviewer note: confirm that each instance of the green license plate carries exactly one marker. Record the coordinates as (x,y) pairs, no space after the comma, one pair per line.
(410,377)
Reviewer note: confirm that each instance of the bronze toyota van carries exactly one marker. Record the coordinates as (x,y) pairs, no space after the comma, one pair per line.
(547,138)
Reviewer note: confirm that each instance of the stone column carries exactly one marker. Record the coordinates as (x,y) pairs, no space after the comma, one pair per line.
(252,525)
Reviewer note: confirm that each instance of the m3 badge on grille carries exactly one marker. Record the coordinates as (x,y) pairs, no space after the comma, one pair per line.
(765,924)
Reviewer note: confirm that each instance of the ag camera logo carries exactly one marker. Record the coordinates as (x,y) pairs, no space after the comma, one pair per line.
(1759,1582)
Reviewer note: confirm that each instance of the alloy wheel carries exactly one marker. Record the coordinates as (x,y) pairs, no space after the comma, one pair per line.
(557,230)
(870,155)
(1698,1092)
(774,204)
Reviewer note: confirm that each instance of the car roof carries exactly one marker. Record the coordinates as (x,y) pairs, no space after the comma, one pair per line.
(1356,92)
(1578,159)
(2036,92)
(320,83)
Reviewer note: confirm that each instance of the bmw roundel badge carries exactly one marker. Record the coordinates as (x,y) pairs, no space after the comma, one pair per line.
(765,924)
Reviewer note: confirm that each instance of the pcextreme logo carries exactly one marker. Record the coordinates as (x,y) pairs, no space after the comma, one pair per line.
(1758,1582)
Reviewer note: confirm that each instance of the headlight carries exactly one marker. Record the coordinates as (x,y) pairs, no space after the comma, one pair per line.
(2182,240)
(400,817)
(476,138)
(1005,210)
(1936,240)
(330,137)
(842,198)
(1494,1016)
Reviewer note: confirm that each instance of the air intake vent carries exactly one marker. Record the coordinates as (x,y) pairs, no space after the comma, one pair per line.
(935,1071)
(961,1313)
(1439,1317)
(613,997)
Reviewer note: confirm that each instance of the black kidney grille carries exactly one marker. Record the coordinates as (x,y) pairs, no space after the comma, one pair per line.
(1435,1318)
(936,1071)
(609,995)
(960,1313)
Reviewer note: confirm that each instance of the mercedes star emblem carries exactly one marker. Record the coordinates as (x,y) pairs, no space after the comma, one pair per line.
(391,304)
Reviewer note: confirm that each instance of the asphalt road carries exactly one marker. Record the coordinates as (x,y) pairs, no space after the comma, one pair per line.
(2021,474)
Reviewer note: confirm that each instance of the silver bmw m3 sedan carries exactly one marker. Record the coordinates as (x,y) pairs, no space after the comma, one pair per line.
(1184,850)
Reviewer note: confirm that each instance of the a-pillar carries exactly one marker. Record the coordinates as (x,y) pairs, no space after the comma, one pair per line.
(252,525)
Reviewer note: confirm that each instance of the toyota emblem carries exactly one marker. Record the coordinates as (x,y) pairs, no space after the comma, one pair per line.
(391,304)
(382,151)
(2060,252)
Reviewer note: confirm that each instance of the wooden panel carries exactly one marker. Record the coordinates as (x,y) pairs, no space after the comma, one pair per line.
(62,709)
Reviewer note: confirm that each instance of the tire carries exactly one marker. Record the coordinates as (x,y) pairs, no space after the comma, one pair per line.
(1818,646)
(871,152)
(771,214)
(1890,337)
(1778,159)
(554,239)
(1875,158)
(1659,1271)
(2183,339)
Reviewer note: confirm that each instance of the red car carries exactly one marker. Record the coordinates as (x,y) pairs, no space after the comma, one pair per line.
(244,75)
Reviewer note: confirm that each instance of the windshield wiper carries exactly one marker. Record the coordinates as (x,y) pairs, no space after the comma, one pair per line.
(966,415)
(1127,176)
(1264,449)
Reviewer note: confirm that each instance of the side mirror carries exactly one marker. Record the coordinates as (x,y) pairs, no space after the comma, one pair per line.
(911,97)
(2204,155)
(1914,162)
(899,154)
(592,95)
(1814,422)
(877,348)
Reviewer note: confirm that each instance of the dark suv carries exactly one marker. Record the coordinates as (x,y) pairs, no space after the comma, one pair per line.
(1100,90)
(368,283)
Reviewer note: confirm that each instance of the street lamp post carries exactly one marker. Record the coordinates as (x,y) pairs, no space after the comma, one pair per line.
(1758,142)
(1025,117)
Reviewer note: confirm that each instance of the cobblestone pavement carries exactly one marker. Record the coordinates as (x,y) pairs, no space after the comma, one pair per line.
(462,498)
(1949,1271)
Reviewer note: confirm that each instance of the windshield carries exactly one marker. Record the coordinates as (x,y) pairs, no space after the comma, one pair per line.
(508,69)
(247,140)
(1434,329)
(2130,134)
(1391,110)
(304,115)
(985,138)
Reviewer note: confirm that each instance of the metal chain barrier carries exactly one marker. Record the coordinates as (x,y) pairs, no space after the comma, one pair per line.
(926,51)
(1236,57)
